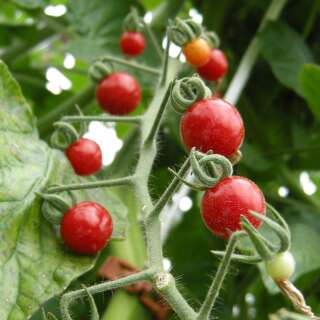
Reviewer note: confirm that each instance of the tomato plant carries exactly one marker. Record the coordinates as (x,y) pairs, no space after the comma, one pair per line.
(102,229)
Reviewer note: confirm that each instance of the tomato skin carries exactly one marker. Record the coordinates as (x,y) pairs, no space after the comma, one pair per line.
(119,93)
(281,267)
(132,43)
(85,156)
(197,52)
(223,204)
(212,124)
(216,67)
(86,228)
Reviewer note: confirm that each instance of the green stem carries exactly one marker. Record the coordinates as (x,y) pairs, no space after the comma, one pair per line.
(174,184)
(153,39)
(215,287)
(166,286)
(102,287)
(81,98)
(92,185)
(129,119)
(166,61)
(132,64)
(249,58)
(157,121)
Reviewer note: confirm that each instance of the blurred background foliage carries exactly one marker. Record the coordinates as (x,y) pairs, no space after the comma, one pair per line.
(48,46)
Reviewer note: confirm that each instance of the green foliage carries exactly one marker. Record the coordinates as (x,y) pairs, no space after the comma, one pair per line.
(34,264)
(310,82)
(282,139)
(286,52)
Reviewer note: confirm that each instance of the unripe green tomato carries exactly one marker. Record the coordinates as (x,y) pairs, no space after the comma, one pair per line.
(282,266)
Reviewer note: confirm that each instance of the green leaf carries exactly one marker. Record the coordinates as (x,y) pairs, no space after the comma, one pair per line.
(30,4)
(285,51)
(98,26)
(34,264)
(12,15)
(310,84)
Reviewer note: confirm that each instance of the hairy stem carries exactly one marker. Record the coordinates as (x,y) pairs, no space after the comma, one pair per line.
(215,287)
(81,98)
(153,39)
(174,184)
(92,185)
(165,285)
(102,287)
(124,119)
(132,64)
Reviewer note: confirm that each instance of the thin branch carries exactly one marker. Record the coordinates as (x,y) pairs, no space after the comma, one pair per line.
(157,120)
(132,64)
(91,185)
(81,98)
(215,287)
(102,287)
(129,119)
(153,39)
(166,61)
(174,184)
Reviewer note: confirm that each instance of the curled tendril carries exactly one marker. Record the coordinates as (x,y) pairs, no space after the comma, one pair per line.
(212,38)
(132,21)
(208,169)
(186,91)
(64,134)
(183,31)
(100,69)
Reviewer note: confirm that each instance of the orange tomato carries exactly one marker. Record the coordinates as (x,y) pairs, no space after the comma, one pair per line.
(197,52)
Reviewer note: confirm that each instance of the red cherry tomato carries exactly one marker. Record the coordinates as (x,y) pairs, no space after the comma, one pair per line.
(216,67)
(223,204)
(212,124)
(85,156)
(197,52)
(86,228)
(119,93)
(132,43)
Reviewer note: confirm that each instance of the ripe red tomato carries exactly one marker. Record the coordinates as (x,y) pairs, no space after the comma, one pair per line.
(212,124)
(216,67)
(197,52)
(223,204)
(119,93)
(86,228)
(132,43)
(85,156)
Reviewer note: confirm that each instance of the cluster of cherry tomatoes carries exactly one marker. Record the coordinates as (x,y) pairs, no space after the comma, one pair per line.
(209,124)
